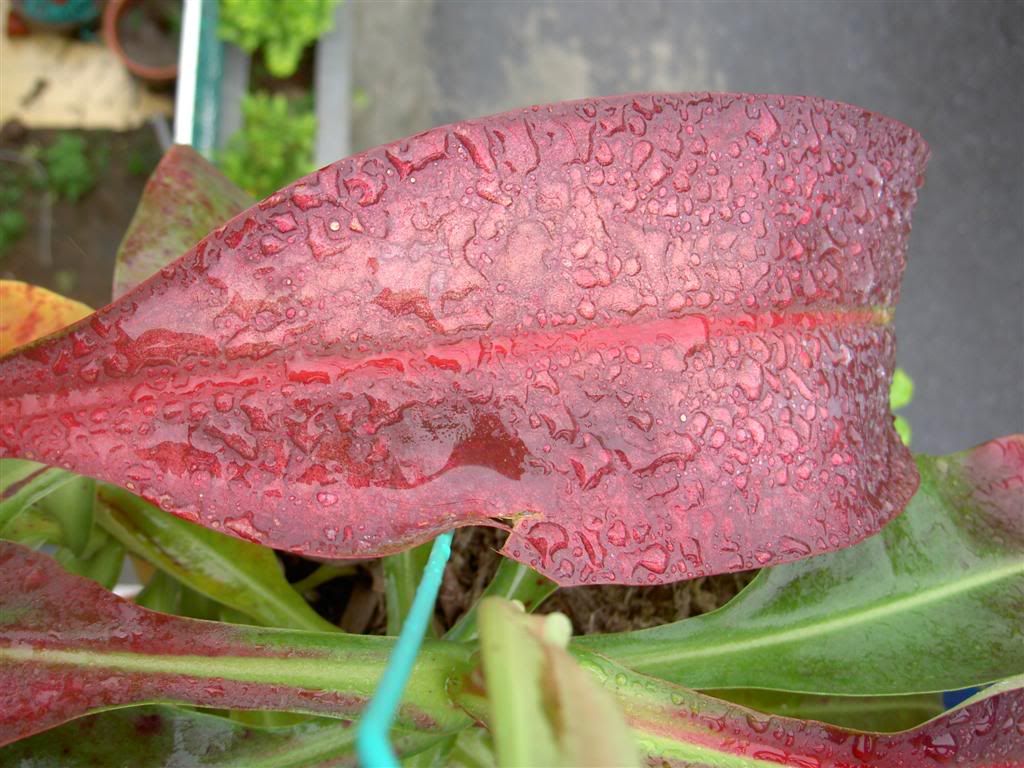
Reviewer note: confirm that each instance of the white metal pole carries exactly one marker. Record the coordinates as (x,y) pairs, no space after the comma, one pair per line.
(188,66)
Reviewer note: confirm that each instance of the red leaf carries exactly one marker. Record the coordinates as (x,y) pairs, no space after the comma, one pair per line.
(651,330)
(68,647)
(184,198)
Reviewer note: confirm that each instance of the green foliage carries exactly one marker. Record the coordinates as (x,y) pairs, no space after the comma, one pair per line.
(141,162)
(70,173)
(274,147)
(903,429)
(12,192)
(900,394)
(233,572)
(12,227)
(281,28)
(902,390)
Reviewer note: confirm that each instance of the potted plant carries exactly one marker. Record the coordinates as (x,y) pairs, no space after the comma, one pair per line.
(144,35)
(647,336)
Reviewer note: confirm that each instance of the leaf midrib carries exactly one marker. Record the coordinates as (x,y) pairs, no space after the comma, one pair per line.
(277,366)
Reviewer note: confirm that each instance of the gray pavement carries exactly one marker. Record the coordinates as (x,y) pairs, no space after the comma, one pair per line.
(953,70)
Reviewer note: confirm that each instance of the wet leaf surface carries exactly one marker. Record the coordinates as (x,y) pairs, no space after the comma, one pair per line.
(650,333)
(183,200)
(863,713)
(69,647)
(933,603)
(676,727)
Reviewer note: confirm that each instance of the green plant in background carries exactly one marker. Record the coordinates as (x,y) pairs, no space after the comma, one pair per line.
(280,28)
(142,161)
(900,395)
(70,173)
(66,169)
(274,147)
(12,221)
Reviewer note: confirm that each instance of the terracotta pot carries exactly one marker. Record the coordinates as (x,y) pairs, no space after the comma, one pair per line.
(115,15)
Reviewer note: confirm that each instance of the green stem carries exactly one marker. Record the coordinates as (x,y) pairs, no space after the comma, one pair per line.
(513,581)
(322,575)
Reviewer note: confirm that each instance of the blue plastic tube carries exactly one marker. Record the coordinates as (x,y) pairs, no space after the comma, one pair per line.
(372,743)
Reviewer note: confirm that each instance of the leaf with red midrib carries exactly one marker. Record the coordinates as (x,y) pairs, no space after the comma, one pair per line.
(68,647)
(651,331)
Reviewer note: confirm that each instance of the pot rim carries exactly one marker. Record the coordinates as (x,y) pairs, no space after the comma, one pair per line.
(111,15)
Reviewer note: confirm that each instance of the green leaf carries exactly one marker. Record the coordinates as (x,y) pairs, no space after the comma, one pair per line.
(198,606)
(438,755)
(166,594)
(903,429)
(33,531)
(283,32)
(402,574)
(158,736)
(162,594)
(101,560)
(275,145)
(543,709)
(931,603)
(59,509)
(513,581)
(78,649)
(236,573)
(71,507)
(69,172)
(324,572)
(23,483)
(901,392)
(676,726)
(885,714)
(184,199)
(474,748)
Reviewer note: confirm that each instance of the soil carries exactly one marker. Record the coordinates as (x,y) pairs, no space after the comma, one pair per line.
(592,609)
(356,602)
(84,235)
(607,608)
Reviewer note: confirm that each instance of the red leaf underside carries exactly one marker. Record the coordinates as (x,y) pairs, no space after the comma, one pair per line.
(650,333)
